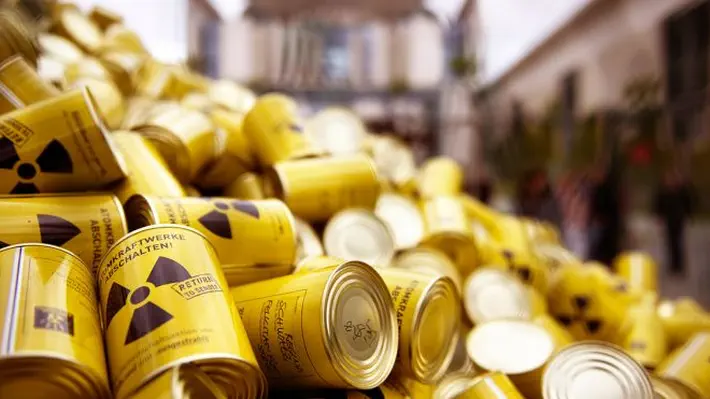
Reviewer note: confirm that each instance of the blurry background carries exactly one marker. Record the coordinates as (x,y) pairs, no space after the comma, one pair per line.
(605,100)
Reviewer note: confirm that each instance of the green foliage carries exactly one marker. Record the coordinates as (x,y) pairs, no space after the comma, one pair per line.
(463,67)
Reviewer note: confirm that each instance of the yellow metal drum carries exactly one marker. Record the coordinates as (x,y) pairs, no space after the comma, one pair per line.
(234,153)
(403,217)
(185,138)
(428,312)
(52,344)
(86,224)
(330,328)
(20,85)
(594,370)
(147,172)
(165,302)
(16,37)
(642,334)
(639,270)
(491,294)
(247,186)
(670,389)
(492,385)
(108,98)
(429,261)
(690,365)
(274,129)
(75,26)
(440,176)
(231,96)
(447,230)
(103,18)
(119,37)
(682,319)
(315,189)
(244,233)
(560,337)
(359,234)
(56,145)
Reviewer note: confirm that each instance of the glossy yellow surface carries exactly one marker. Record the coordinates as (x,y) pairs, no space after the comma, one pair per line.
(690,364)
(165,302)
(20,85)
(639,270)
(83,157)
(85,224)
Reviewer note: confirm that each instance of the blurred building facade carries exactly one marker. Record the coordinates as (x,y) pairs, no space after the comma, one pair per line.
(588,66)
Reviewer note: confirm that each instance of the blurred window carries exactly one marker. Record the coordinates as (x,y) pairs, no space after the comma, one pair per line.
(687,51)
(335,53)
(209,44)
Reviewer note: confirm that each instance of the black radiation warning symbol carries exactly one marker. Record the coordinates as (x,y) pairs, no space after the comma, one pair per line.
(53,230)
(53,159)
(217,222)
(580,303)
(148,316)
(522,271)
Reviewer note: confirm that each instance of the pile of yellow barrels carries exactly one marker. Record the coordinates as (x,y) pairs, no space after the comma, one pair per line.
(165,235)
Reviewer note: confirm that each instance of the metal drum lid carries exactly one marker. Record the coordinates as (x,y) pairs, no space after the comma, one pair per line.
(358,234)
(493,294)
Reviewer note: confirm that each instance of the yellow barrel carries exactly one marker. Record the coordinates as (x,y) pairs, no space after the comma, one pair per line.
(518,348)
(274,129)
(86,224)
(231,96)
(103,18)
(138,110)
(584,302)
(494,385)
(183,381)
(428,317)
(108,98)
(59,48)
(315,189)
(247,186)
(428,309)
(690,365)
(20,85)
(185,139)
(556,257)
(429,261)
(234,155)
(307,242)
(560,337)
(75,26)
(359,234)
(120,37)
(670,389)
(642,334)
(395,162)
(52,344)
(403,218)
(155,81)
(198,101)
(242,275)
(330,328)
(57,145)
(124,67)
(639,270)
(440,176)
(337,130)
(492,294)
(244,233)
(447,229)
(682,319)
(594,370)
(147,172)
(16,37)
(165,302)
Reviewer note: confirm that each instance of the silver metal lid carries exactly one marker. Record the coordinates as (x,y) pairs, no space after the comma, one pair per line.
(358,234)
(403,218)
(494,294)
(510,346)
(593,370)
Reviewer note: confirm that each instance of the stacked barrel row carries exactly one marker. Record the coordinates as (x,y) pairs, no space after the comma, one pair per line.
(168,235)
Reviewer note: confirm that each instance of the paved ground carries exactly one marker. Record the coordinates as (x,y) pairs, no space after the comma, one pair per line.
(647,235)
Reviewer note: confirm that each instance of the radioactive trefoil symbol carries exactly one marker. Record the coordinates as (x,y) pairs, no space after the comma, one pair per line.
(217,221)
(149,316)
(581,303)
(54,230)
(54,158)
